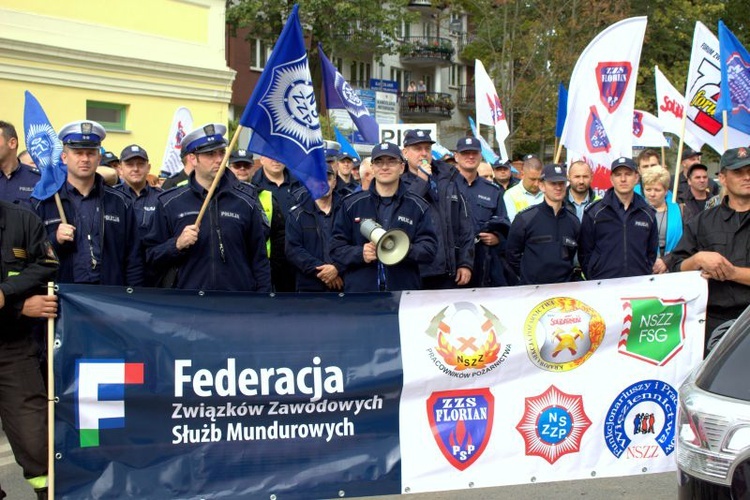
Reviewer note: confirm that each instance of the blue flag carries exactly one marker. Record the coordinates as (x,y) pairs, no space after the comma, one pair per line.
(487,153)
(340,95)
(346,146)
(282,111)
(439,151)
(562,109)
(735,81)
(45,149)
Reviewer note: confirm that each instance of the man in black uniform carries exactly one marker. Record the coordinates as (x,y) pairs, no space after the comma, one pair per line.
(543,238)
(27,263)
(99,244)
(228,250)
(716,242)
(17,180)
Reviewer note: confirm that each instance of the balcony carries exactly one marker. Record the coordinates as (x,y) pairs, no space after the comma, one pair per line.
(466,100)
(425,106)
(464,39)
(425,6)
(426,51)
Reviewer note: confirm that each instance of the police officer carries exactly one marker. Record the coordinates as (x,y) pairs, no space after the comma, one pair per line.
(503,175)
(488,214)
(100,242)
(436,182)
(228,250)
(308,241)
(273,176)
(109,159)
(27,263)
(345,167)
(241,165)
(543,238)
(716,242)
(388,203)
(525,193)
(17,180)
(619,235)
(282,274)
(133,169)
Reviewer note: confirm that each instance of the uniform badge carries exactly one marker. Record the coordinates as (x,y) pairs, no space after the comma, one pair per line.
(289,102)
(653,329)
(461,423)
(20,253)
(553,424)
(597,140)
(613,79)
(562,333)
(641,421)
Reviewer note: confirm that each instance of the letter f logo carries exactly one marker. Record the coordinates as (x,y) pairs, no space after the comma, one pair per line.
(100,395)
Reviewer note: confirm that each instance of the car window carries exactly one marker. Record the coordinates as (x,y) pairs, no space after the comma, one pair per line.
(728,371)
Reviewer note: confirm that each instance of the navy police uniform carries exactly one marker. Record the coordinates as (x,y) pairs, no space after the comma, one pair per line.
(230,253)
(17,187)
(106,247)
(27,263)
(488,212)
(403,210)
(541,243)
(615,242)
(308,243)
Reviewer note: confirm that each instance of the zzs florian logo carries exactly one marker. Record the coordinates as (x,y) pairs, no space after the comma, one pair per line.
(100,395)
(467,340)
(562,333)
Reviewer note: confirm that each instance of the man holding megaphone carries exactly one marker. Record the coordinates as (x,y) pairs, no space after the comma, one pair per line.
(380,236)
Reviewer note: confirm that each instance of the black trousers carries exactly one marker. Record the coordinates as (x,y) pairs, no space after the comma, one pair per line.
(23,405)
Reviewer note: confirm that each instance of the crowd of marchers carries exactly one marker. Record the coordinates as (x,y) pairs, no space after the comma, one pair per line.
(466,224)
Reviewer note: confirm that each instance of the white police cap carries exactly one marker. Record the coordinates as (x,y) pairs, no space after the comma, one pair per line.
(205,138)
(82,134)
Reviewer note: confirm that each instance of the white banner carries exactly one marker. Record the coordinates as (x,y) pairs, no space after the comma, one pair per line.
(182,124)
(537,384)
(601,97)
(394,132)
(648,131)
(670,104)
(488,108)
(702,93)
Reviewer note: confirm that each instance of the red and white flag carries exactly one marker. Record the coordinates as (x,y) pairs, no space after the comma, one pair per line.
(670,108)
(489,110)
(648,132)
(702,93)
(601,98)
(182,123)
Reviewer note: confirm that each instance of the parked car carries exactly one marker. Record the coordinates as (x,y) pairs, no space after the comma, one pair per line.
(713,438)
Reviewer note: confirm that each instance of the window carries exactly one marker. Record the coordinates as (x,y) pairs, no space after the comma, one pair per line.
(339,64)
(456,77)
(110,115)
(397,76)
(405,30)
(259,52)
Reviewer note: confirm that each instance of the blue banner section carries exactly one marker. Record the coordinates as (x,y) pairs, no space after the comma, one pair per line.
(175,394)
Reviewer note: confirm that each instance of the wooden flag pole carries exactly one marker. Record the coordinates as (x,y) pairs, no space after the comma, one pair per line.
(51,398)
(558,152)
(726,129)
(663,157)
(219,174)
(58,202)
(678,161)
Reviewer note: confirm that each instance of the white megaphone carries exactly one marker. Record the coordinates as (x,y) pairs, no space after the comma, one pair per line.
(390,246)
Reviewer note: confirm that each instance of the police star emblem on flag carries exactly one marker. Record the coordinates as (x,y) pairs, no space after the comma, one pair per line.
(461,422)
(353,103)
(290,104)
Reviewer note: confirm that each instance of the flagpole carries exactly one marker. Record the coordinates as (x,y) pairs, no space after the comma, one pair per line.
(51,398)
(726,129)
(676,180)
(58,202)
(558,152)
(663,157)
(219,174)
